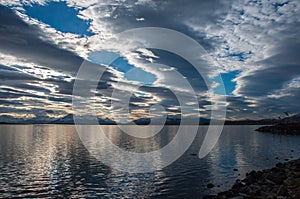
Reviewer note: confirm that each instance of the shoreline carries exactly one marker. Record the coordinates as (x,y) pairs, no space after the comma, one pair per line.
(281,181)
(292,128)
(202,124)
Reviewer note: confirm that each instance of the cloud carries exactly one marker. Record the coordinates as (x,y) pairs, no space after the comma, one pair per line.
(273,74)
(23,40)
(257,40)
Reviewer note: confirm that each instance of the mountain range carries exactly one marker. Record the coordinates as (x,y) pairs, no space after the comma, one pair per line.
(69,119)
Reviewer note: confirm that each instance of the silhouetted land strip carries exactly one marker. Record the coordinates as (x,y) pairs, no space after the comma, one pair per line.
(282,181)
(87,120)
(282,128)
(176,122)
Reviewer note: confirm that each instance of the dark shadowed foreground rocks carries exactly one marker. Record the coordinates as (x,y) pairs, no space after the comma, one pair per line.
(282,181)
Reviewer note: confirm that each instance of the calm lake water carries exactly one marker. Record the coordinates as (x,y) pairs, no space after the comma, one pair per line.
(51,161)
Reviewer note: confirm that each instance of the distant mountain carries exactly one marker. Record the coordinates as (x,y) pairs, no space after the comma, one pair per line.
(286,126)
(293,118)
(290,119)
(69,119)
(142,121)
(171,121)
(146,121)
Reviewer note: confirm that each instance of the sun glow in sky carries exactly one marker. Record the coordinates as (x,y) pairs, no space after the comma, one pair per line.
(255,46)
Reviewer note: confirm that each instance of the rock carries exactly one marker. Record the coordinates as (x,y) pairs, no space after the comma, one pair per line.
(210,185)
(247,190)
(282,181)
(276,177)
(208,197)
(297,182)
(237,185)
(297,174)
(258,192)
(270,182)
(270,197)
(282,191)
(280,165)
(228,194)
(297,193)
(238,197)
(297,164)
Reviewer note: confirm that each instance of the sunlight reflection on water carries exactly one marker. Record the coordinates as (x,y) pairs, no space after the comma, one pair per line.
(50,160)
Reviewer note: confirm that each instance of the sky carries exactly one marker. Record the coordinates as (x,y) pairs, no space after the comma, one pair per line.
(254,45)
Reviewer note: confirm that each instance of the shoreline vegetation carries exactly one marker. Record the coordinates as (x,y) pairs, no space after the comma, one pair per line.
(281,181)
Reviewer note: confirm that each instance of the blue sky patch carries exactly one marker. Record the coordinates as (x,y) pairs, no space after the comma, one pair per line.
(121,64)
(240,56)
(59,16)
(229,84)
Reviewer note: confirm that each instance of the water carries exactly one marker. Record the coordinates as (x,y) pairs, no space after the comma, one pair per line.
(51,161)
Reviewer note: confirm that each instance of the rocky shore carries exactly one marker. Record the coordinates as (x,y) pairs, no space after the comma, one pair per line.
(282,181)
(282,128)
